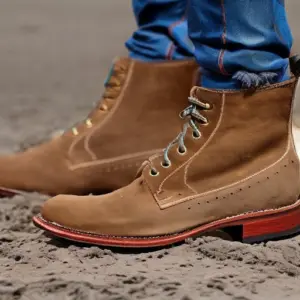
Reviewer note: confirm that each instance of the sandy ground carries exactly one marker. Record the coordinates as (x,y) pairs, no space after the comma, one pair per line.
(53,57)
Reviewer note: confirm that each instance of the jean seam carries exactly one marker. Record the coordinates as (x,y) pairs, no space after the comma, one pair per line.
(224,41)
(171,47)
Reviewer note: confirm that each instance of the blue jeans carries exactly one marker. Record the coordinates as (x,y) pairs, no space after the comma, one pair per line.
(237,43)
(162,30)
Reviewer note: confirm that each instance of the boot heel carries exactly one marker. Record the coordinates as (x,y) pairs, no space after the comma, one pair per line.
(274,226)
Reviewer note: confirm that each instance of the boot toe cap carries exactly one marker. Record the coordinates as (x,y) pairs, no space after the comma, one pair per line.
(80,213)
(33,171)
(61,210)
(124,212)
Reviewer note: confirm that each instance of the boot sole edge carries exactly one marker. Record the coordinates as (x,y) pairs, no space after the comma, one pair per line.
(250,227)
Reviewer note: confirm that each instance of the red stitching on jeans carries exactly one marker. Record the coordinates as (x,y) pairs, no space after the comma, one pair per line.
(221,62)
(170,51)
(222,52)
(171,46)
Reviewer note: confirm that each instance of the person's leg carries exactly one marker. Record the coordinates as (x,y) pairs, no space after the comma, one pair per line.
(162,31)
(243,43)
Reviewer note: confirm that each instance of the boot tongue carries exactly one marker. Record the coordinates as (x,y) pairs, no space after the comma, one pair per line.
(113,84)
(115,79)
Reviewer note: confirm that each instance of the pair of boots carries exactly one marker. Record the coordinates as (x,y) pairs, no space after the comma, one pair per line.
(234,165)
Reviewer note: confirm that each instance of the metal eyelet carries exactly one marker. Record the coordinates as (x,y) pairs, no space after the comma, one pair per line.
(88,123)
(103,107)
(75,131)
(209,106)
(196,136)
(180,152)
(165,165)
(205,123)
(153,173)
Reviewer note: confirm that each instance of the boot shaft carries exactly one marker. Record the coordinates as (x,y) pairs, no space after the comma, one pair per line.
(147,106)
(248,133)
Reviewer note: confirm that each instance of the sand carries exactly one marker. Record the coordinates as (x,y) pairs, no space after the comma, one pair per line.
(54,56)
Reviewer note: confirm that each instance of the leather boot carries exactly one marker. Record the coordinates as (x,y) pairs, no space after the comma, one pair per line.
(233,167)
(136,116)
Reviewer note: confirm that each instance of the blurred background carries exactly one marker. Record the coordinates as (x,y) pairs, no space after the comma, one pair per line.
(54,56)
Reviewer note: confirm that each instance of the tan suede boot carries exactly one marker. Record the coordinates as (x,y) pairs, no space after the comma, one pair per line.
(234,166)
(136,117)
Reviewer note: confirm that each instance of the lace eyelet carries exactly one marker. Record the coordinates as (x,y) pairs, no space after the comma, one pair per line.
(181,115)
(205,123)
(181,152)
(75,131)
(165,165)
(103,107)
(196,136)
(153,173)
(89,123)
(209,106)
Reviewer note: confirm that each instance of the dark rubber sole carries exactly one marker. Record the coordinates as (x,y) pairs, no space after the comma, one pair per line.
(248,228)
(8,193)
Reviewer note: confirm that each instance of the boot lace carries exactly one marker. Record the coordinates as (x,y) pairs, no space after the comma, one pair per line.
(191,112)
(112,89)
